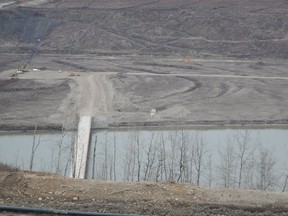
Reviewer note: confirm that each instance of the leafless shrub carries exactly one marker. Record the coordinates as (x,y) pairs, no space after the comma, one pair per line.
(6,167)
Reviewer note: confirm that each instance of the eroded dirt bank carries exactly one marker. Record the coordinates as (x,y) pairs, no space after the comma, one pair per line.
(144,198)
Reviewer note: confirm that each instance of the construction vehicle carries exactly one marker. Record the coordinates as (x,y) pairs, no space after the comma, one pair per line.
(186,60)
(74,74)
(26,66)
(14,75)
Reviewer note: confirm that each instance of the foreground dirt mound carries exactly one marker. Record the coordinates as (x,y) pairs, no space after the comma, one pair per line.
(176,27)
(145,198)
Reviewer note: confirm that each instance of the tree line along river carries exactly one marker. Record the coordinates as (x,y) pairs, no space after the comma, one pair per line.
(255,158)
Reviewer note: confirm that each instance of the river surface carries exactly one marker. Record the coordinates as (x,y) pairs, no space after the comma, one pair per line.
(161,155)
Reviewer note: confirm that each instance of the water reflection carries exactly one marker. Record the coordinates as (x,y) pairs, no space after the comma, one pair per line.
(52,151)
(255,158)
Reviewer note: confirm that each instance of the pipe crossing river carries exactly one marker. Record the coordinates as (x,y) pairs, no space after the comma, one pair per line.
(81,147)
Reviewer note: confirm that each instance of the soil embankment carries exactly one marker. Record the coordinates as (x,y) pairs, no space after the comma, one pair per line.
(145,198)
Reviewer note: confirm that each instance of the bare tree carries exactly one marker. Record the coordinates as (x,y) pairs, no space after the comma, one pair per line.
(34,147)
(199,154)
(210,171)
(129,163)
(16,161)
(251,169)
(138,148)
(52,148)
(73,154)
(60,149)
(227,164)
(173,155)
(243,152)
(127,166)
(110,164)
(265,169)
(285,174)
(104,175)
(161,167)
(285,183)
(132,157)
(114,156)
(191,159)
(70,125)
(94,158)
(150,158)
(183,160)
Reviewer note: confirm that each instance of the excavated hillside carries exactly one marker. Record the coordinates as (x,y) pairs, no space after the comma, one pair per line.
(199,62)
(219,28)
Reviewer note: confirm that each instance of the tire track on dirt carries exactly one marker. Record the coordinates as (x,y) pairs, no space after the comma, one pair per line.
(194,84)
(96,95)
(213,76)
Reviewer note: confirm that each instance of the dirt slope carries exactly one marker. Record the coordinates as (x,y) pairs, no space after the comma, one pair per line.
(145,198)
(222,28)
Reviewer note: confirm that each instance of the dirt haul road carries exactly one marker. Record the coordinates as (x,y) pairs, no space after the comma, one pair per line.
(96,95)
